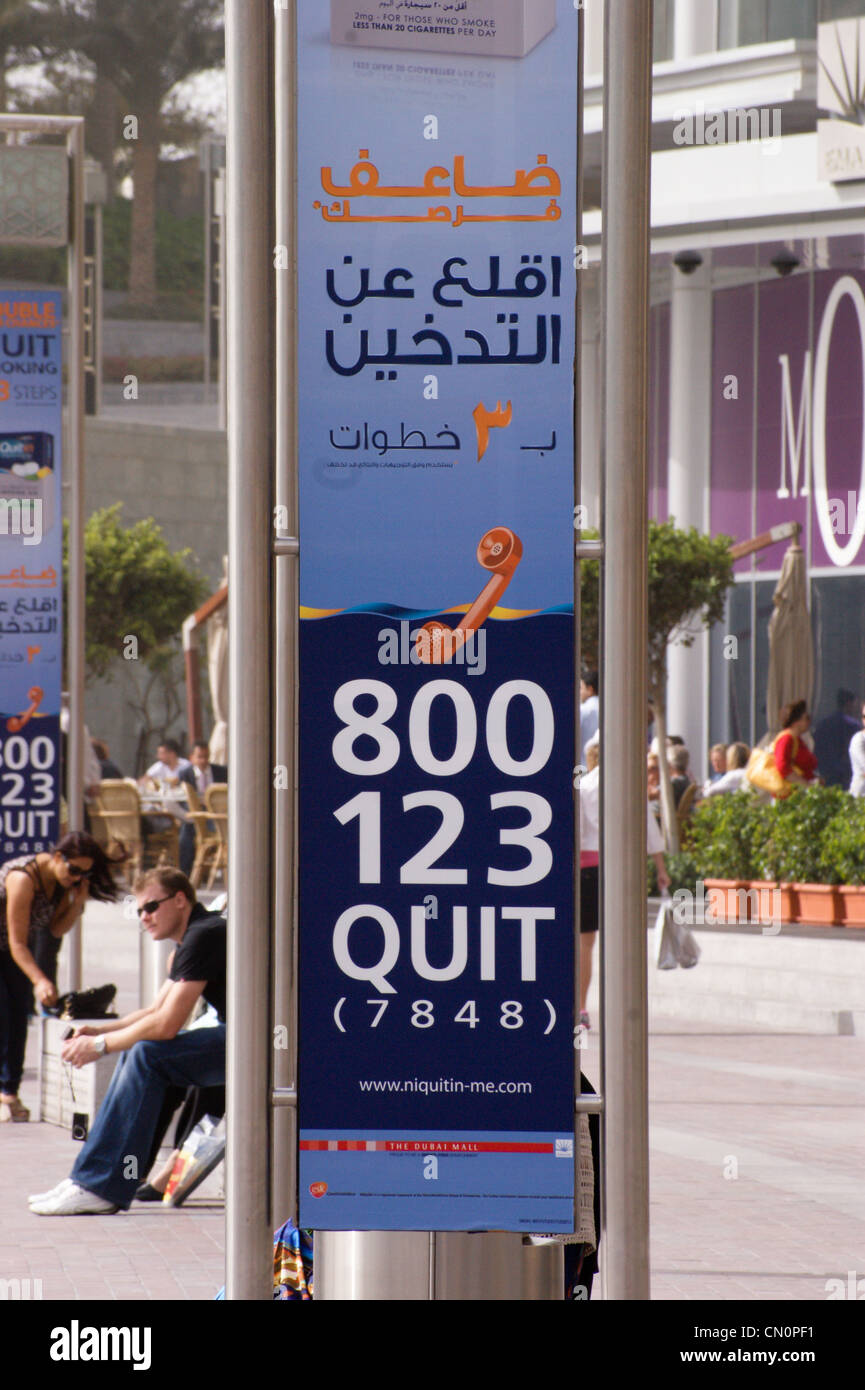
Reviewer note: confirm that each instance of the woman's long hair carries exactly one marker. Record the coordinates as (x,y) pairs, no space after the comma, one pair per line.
(78,845)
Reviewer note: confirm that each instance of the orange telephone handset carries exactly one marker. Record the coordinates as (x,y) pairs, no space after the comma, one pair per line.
(17,721)
(499,551)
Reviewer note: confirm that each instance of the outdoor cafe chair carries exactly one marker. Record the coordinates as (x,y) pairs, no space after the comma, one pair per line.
(207,841)
(216,801)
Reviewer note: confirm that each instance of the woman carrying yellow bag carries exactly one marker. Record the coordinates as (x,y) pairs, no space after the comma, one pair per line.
(788,762)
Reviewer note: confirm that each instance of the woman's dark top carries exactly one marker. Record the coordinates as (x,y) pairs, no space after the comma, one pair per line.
(42,909)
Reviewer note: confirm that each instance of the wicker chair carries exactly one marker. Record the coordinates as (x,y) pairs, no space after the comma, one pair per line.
(216,801)
(118,807)
(207,839)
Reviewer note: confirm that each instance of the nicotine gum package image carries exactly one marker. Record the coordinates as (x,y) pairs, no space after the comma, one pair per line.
(497,28)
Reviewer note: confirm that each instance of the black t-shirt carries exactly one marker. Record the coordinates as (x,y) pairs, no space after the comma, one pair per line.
(201,955)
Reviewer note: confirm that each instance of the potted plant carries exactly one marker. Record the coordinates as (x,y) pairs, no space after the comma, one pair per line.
(720,840)
(793,851)
(843,861)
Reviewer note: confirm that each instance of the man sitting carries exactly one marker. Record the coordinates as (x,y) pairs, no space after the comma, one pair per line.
(154,1052)
(201,774)
(168,766)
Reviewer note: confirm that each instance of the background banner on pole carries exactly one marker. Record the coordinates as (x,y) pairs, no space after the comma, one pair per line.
(31,570)
(437,202)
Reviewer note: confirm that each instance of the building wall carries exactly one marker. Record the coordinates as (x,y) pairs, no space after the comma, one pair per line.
(768,399)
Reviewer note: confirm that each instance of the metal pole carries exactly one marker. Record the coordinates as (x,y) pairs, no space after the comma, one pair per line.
(99,300)
(625,262)
(286,606)
(73,465)
(219,201)
(207,162)
(250,388)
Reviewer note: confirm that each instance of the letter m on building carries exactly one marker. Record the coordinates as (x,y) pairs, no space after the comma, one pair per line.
(795,438)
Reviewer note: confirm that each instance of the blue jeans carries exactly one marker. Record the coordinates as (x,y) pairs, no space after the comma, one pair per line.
(128,1115)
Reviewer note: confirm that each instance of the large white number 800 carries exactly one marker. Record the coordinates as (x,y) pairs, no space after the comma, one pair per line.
(374,726)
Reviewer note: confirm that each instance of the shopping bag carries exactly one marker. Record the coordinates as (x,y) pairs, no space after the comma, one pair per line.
(674,943)
(203,1148)
(292,1265)
(762,772)
(85,1003)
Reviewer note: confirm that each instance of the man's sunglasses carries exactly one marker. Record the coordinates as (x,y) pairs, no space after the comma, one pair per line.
(75,870)
(149,908)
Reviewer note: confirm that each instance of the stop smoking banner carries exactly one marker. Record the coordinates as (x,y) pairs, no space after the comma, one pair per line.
(31,570)
(437,206)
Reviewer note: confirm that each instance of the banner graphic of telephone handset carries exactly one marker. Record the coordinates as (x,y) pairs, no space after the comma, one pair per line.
(499,552)
(16,723)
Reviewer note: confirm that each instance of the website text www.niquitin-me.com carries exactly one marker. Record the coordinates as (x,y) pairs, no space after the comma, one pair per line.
(448,1084)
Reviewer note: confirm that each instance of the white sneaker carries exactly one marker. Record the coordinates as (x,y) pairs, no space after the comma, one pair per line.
(52,1192)
(73,1201)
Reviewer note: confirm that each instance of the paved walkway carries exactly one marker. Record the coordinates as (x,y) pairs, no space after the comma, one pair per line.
(757,1149)
(757,1143)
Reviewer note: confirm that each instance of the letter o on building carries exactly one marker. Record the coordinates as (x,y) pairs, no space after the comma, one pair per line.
(840,555)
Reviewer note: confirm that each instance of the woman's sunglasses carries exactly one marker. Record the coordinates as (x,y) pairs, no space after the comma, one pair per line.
(75,870)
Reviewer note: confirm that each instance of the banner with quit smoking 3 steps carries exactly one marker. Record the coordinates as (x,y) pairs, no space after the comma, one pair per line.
(31,570)
(437,219)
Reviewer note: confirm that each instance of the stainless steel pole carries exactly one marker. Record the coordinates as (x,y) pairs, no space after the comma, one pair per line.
(625,265)
(250,395)
(286,606)
(73,465)
(206,148)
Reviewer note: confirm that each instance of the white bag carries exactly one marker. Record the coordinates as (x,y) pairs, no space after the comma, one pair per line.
(675,943)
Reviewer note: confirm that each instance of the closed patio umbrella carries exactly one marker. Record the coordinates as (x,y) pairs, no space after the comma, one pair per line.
(791,650)
(217,668)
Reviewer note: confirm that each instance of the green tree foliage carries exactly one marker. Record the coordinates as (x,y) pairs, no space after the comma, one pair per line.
(179,252)
(135,586)
(689,575)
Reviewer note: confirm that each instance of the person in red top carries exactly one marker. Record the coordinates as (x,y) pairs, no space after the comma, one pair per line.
(793,759)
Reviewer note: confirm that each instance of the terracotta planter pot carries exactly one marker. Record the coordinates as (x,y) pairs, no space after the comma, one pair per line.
(819,904)
(790,911)
(754,900)
(772,903)
(852,906)
(723,901)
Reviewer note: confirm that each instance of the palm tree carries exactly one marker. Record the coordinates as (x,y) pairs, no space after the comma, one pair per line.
(142,49)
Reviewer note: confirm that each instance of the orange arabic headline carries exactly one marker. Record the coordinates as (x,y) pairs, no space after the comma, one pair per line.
(540,182)
(20,579)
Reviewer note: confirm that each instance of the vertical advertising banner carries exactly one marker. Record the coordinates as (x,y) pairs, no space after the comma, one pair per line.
(31,570)
(437,219)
